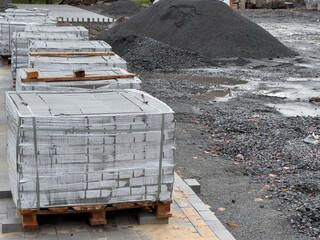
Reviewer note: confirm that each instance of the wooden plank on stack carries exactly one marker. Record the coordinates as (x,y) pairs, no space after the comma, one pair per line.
(74,62)
(20,44)
(63,80)
(73,149)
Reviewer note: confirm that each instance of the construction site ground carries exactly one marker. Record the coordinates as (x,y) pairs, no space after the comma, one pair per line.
(241,127)
(191,218)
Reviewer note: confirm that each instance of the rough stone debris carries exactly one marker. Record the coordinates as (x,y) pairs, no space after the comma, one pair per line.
(210,28)
(122,8)
(147,54)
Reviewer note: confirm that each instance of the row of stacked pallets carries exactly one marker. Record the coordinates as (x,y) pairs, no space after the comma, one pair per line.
(82,137)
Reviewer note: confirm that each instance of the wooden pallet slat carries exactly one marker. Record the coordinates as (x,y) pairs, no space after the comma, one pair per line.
(29,220)
(97,212)
(163,210)
(98,218)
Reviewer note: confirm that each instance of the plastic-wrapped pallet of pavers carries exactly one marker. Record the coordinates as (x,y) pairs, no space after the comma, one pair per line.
(77,61)
(81,31)
(32,11)
(68,46)
(20,44)
(65,80)
(75,149)
(12,24)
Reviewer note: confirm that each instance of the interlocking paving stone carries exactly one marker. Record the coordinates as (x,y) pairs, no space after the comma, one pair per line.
(149,218)
(96,233)
(113,235)
(11,225)
(208,216)
(129,234)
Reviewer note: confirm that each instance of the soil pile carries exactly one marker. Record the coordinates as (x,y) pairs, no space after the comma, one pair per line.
(207,27)
(146,54)
(122,8)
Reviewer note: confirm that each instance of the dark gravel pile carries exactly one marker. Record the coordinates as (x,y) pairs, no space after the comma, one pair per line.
(146,54)
(208,27)
(122,8)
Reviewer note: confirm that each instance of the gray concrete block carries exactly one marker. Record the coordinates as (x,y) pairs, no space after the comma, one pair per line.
(200,207)
(145,218)
(186,190)
(208,216)
(194,199)
(193,184)
(3,210)
(13,213)
(96,234)
(11,225)
(5,192)
(216,226)
(113,235)
(182,203)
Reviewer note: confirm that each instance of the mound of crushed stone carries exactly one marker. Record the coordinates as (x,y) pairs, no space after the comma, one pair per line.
(146,54)
(208,27)
(122,8)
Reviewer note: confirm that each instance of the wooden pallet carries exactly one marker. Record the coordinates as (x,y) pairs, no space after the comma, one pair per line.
(97,212)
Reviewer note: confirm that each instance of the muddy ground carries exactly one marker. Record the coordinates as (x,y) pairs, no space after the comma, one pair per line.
(240,131)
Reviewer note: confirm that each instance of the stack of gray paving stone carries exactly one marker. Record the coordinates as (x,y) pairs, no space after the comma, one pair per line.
(33,11)
(20,43)
(12,23)
(53,46)
(75,62)
(81,31)
(95,84)
(68,149)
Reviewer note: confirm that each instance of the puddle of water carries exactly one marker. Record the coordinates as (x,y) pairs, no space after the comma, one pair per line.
(210,95)
(297,109)
(203,79)
(292,89)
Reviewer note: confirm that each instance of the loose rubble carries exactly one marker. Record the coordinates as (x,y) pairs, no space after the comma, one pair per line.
(146,54)
(207,27)
(122,8)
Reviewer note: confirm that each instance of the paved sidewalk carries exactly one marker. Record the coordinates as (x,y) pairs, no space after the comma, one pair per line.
(67,11)
(191,219)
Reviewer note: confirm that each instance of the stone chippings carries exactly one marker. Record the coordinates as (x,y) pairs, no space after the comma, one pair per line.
(280,159)
(147,54)
(122,8)
(272,146)
(210,28)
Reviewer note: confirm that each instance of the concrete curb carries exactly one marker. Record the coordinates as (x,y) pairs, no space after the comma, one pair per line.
(204,212)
